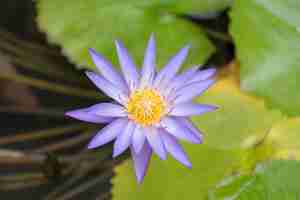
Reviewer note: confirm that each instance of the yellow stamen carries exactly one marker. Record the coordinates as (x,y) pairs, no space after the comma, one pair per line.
(146,107)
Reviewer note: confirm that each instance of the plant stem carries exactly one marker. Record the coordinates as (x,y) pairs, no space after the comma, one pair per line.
(40,111)
(54,87)
(66,143)
(22,137)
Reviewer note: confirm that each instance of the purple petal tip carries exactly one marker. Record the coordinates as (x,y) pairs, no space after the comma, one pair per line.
(196,138)
(152,36)
(118,43)
(140,179)
(212,108)
(91,145)
(88,73)
(72,114)
(216,108)
(188,164)
(116,152)
(212,69)
(69,113)
(91,51)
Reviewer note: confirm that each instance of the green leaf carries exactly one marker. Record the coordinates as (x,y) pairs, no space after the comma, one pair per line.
(168,180)
(267,37)
(96,24)
(196,6)
(271,181)
(241,121)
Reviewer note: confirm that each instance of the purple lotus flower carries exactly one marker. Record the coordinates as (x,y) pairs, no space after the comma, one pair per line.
(151,110)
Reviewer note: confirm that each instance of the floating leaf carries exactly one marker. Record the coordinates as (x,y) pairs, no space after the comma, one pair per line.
(168,180)
(241,120)
(267,37)
(198,7)
(284,138)
(272,180)
(96,24)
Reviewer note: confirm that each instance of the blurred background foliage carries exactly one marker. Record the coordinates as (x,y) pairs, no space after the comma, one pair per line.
(251,143)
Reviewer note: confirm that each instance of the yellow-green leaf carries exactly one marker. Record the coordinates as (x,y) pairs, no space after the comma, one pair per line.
(241,120)
(284,137)
(168,180)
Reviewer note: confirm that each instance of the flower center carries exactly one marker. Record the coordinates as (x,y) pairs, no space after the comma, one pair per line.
(146,106)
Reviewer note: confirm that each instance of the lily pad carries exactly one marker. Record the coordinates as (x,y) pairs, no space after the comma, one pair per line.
(96,24)
(241,120)
(168,180)
(285,139)
(271,180)
(267,38)
(198,7)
